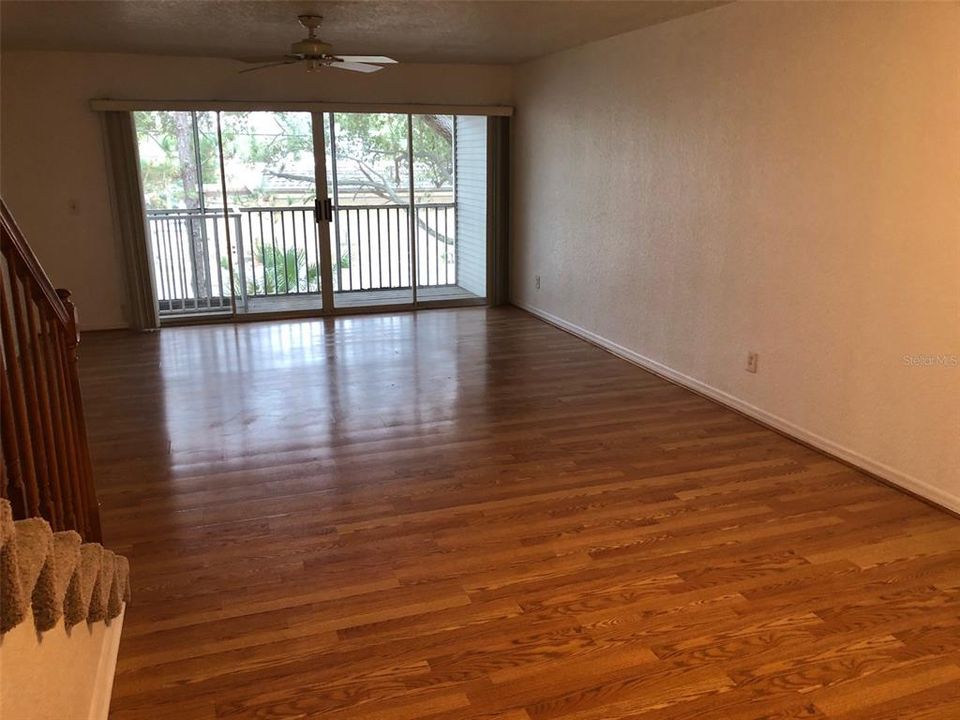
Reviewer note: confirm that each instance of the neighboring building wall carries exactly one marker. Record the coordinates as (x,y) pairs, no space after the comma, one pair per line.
(53,170)
(471,148)
(772,177)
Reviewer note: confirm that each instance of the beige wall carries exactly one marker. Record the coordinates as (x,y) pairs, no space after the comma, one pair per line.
(783,178)
(51,150)
(61,674)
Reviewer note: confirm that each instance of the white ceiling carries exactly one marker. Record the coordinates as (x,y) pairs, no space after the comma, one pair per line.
(459,31)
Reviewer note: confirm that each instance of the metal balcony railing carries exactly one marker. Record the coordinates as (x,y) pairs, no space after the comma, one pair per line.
(275,252)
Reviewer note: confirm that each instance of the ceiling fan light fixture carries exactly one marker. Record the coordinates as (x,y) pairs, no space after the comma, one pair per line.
(310,47)
(317,54)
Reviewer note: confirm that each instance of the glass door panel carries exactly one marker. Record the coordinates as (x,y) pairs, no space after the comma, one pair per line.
(435,207)
(368,175)
(180,176)
(271,192)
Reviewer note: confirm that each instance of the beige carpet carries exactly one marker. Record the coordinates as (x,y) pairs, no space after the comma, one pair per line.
(56,576)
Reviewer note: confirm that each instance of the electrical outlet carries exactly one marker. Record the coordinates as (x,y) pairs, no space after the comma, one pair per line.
(753,360)
(538,282)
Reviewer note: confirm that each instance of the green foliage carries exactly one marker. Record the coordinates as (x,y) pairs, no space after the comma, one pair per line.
(278,144)
(168,153)
(283,272)
(276,272)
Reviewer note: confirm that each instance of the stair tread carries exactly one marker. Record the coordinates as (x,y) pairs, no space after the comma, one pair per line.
(56,575)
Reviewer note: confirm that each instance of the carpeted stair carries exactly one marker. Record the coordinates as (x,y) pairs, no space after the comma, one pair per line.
(56,576)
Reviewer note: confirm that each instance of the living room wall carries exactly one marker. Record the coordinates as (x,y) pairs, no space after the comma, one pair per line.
(778,178)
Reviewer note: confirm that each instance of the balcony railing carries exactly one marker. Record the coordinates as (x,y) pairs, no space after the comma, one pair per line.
(275,252)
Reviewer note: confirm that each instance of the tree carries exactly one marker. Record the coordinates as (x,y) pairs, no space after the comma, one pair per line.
(376,145)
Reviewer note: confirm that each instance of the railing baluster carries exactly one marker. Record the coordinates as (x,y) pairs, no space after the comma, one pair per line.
(158,249)
(18,394)
(358,284)
(178,293)
(352,263)
(165,255)
(306,253)
(253,252)
(378,244)
(74,442)
(180,275)
(369,251)
(286,265)
(219,265)
(207,270)
(89,490)
(21,308)
(193,262)
(170,274)
(424,279)
(442,246)
(422,250)
(447,245)
(238,287)
(53,381)
(389,245)
(400,254)
(296,251)
(263,253)
(273,255)
(13,487)
(35,330)
(339,257)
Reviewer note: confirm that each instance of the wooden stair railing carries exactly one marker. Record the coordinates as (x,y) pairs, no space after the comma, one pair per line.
(45,464)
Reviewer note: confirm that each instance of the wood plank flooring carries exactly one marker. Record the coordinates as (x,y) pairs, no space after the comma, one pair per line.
(465,514)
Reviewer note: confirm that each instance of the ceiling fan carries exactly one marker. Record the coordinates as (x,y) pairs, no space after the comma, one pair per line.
(316,54)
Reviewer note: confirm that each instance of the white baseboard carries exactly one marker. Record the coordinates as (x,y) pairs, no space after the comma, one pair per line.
(891,475)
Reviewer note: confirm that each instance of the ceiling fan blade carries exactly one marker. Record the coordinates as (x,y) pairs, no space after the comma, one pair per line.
(269,65)
(260,59)
(378,59)
(355,67)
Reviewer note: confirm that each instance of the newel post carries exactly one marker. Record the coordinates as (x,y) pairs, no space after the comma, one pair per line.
(73,333)
(89,491)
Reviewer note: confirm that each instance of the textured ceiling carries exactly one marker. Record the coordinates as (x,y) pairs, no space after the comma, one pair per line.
(462,31)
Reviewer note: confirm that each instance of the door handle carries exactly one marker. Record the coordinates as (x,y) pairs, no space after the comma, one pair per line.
(322,210)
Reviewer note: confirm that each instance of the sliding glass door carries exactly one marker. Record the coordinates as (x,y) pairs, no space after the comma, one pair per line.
(182,193)
(435,207)
(261,212)
(270,171)
(369,177)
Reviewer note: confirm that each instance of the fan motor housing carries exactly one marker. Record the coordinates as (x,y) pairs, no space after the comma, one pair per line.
(310,48)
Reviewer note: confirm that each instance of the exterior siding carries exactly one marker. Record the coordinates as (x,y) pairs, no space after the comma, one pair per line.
(471,185)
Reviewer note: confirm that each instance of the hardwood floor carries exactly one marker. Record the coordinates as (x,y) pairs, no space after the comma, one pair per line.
(466,514)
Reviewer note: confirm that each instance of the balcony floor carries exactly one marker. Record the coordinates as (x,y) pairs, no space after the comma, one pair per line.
(359,299)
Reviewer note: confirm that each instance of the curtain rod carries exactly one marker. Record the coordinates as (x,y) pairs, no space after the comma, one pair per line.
(106,105)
